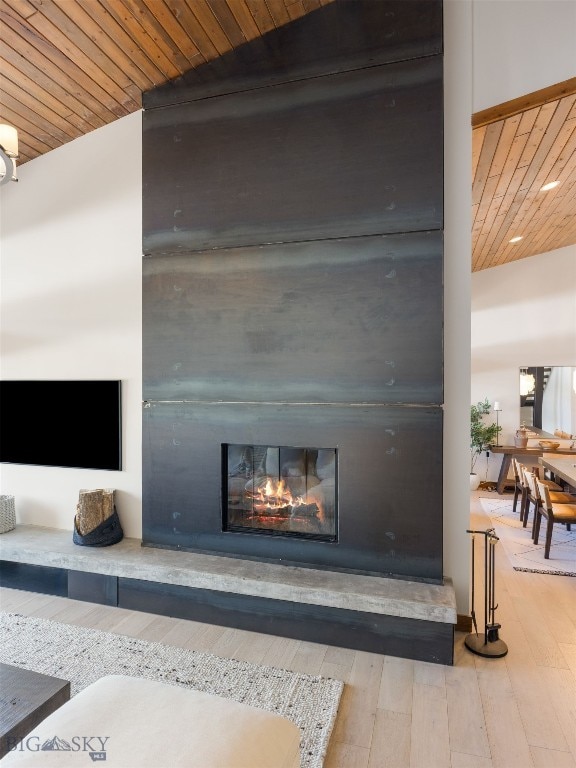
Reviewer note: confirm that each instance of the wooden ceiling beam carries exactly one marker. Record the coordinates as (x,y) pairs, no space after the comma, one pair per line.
(524,103)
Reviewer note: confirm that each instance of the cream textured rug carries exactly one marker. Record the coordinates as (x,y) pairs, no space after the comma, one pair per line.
(519,547)
(83,655)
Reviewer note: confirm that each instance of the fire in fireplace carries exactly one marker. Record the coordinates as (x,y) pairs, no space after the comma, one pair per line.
(280,490)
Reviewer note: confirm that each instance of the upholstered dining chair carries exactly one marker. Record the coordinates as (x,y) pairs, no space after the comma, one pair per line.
(518,486)
(521,487)
(530,493)
(554,512)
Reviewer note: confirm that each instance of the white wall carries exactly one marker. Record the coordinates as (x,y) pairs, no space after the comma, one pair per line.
(71,302)
(521,46)
(457,242)
(523,313)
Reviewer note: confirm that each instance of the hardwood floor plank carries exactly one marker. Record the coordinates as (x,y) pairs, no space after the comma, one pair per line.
(183,634)
(343,657)
(396,685)
(308,658)
(359,700)
(564,597)
(342,755)
(16,600)
(205,639)
(429,736)
(391,740)
(430,674)
(227,643)
(156,629)
(561,624)
(94,616)
(43,606)
(569,653)
(335,671)
(465,714)
(133,624)
(502,716)
(534,703)
(253,647)
(562,690)
(462,760)
(82,615)
(538,635)
(281,652)
(546,758)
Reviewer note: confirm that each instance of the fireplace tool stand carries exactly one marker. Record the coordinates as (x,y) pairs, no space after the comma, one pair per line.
(489,644)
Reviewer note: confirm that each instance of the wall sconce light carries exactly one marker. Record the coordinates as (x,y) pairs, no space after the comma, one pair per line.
(8,153)
(527,382)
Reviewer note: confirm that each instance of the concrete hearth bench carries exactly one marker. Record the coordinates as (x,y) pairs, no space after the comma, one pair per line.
(134,723)
(370,613)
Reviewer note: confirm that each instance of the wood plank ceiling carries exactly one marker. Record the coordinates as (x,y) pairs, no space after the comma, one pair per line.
(517,149)
(68,67)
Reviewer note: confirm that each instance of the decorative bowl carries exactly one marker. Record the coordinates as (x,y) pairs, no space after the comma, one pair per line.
(548,445)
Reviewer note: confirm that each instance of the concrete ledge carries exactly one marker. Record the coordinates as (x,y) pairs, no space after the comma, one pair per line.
(36,545)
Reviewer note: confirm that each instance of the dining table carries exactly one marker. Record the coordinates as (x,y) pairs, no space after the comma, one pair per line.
(563,467)
(524,454)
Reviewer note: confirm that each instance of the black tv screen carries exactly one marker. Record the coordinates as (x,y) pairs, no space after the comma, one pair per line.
(61,423)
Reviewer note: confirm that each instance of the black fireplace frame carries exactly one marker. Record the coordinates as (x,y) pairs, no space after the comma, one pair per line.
(230,527)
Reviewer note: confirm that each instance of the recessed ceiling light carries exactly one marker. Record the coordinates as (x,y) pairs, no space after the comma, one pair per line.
(548,186)
(515,239)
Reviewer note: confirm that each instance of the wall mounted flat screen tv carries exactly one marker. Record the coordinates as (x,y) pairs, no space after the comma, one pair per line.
(61,423)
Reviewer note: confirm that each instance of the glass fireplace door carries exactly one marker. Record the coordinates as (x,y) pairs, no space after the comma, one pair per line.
(281,490)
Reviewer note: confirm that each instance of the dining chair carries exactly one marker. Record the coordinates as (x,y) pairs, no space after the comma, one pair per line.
(518,486)
(554,512)
(527,493)
(552,485)
(532,496)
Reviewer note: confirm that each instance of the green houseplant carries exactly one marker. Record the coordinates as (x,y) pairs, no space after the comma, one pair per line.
(482,435)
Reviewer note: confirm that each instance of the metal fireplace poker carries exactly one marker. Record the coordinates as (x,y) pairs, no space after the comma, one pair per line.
(488,645)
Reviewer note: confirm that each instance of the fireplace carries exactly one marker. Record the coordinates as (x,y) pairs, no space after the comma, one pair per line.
(292,297)
(293,325)
(386,463)
(280,490)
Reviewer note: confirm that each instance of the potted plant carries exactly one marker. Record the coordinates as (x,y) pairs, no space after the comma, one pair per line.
(482,435)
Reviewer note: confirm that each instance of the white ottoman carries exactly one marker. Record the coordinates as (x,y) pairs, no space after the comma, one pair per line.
(132,723)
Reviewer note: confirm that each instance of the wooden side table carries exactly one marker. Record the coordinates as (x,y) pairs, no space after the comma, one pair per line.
(26,698)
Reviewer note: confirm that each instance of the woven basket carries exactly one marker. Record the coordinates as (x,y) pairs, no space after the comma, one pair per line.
(7,513)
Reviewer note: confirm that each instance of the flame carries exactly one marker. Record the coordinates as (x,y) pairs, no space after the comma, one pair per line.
(271,494)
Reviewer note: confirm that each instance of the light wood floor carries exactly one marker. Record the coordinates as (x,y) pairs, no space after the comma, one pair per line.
(514,712)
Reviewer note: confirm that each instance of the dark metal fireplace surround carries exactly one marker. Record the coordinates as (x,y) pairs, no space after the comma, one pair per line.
(292,296)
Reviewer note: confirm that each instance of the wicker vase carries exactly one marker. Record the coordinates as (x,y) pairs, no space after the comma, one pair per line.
(7,513)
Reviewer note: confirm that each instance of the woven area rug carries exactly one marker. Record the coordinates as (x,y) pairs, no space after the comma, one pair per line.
(83,655)
(519,547)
